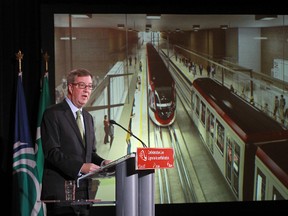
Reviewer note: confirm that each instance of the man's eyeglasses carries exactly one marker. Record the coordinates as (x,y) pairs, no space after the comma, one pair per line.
(82,85)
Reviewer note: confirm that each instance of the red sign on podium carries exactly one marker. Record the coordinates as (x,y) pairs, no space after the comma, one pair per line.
(154,158)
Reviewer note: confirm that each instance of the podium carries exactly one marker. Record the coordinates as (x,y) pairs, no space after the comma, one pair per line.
(135,185)
(134,188)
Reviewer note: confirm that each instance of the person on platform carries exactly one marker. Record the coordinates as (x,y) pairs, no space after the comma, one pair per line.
(282,103)
(111,134)
(68,155)
(140,66)
(106,129)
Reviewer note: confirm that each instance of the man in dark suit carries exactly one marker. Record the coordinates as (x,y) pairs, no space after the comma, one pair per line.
(68,155)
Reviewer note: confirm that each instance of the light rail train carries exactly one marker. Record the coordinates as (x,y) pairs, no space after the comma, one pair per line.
(249,147)
(161,89)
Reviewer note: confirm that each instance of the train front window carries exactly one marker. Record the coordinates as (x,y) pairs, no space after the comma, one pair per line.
(163,97)
(164,104)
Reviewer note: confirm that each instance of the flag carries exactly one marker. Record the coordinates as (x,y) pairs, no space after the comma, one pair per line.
(43,103)
(25,174)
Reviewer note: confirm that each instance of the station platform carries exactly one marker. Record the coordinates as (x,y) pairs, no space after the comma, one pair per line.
(134,109)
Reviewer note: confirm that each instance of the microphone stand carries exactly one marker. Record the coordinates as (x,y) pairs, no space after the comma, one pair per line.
(113,122)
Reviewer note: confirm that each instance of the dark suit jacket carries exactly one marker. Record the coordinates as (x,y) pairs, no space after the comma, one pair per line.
(64,150)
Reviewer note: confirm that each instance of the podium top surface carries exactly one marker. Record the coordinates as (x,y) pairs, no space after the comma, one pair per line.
(107,170)
(78,202)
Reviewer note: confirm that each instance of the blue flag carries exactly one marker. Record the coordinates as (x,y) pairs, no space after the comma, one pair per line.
(25,175)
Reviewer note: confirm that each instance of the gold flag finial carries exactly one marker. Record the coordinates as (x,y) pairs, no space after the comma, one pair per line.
(19,57)
(46,59)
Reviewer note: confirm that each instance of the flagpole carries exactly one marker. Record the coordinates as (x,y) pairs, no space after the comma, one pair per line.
(46,59)
(19,57)
(43,103)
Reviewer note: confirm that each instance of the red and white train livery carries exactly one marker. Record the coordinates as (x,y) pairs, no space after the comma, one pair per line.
(249,147)
(161,89)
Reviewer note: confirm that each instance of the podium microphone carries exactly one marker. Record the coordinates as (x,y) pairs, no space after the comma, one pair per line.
(115,123)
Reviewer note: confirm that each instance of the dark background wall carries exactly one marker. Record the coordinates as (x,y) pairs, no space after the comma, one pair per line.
(19,24)
(21,29)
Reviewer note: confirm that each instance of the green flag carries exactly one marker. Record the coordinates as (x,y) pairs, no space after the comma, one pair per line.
(43,103)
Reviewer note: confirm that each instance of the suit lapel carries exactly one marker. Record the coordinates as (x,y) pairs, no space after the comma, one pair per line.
(87,124)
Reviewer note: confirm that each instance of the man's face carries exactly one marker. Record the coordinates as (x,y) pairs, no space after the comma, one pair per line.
(79,91)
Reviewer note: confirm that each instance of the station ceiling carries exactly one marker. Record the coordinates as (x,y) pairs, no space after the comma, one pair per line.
(168,22)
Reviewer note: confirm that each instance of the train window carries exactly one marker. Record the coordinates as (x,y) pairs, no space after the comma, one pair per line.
(277,195)
(197,105)
(236,157)
(203,112)
(220,136)
(260,188)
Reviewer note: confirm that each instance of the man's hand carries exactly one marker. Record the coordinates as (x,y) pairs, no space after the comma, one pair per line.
(89,167)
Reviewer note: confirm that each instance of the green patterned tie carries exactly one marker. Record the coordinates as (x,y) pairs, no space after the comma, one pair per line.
(80,125)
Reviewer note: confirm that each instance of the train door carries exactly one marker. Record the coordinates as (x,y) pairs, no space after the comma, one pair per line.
(260,188)
(192,100)
(203,130)
(219,144)
(266,187)
(220,136)
(210,130)
(197,108)
(232,164)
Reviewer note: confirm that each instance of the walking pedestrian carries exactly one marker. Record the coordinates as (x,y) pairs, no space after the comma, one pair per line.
(106,129)
(282,103)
